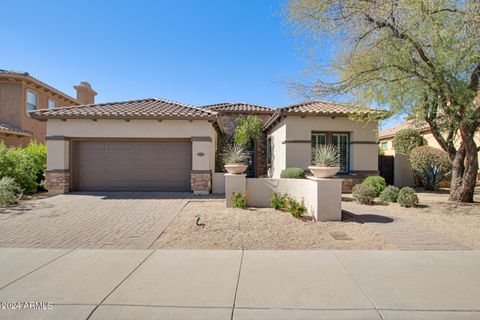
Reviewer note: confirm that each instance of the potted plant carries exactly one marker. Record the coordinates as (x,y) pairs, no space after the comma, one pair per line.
(234,158)
(326,160)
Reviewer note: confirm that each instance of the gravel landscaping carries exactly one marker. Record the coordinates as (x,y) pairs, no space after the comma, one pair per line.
(265,228)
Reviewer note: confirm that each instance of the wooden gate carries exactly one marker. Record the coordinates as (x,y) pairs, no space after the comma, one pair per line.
(386,166)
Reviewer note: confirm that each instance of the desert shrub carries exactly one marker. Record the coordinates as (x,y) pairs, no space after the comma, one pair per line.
(376,182)
(364,193)
(248,128)
(25,165)
(279,200)
(406,140)
(10,191)
(430,165)
(295,208)
(326,156)
(239,200)
(389,194)
(293,173)
(407,197)
(235,154)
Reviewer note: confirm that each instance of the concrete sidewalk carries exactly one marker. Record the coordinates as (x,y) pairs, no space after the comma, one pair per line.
(241,285)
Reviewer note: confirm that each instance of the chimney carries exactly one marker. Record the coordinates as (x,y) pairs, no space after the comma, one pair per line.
(85,93)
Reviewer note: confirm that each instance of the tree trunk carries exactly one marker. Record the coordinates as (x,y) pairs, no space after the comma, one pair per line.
(464,170)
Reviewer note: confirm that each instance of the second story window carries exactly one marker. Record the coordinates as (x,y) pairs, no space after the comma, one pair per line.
(31,101)
(52,104)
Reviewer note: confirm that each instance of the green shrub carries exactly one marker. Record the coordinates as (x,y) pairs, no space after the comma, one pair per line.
(390,194)
(293,173)
(25,165)
(376,182)
(363,193)
(406,140)
(296,208)
(430,165)
(247,130)
(239,200)
(407,197)
(10,191)
(279,201)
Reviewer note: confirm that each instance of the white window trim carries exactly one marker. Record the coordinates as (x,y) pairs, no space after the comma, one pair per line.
(48,105)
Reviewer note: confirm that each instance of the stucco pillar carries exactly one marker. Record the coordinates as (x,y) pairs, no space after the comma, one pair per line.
(201,175)
(234,183)
(57,175)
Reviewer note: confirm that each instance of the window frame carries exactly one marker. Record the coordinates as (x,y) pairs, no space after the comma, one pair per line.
(384,145)
(329,140)
(27,103)
(48,103)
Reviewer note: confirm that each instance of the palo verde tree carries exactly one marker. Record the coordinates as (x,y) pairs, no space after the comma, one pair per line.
(420,57)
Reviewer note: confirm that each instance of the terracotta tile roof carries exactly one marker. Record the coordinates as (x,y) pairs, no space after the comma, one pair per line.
(390,132)
(8,129)
(25,75)
(321,108)
(155,109)
(231,107)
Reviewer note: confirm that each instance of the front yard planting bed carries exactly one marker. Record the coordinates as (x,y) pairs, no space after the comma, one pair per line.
(261,228)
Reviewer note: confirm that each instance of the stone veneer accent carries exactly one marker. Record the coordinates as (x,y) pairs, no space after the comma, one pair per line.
(57,181)
(228,122)
(201,182)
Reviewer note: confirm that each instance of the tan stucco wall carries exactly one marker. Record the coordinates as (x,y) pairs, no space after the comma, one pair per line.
(297,152)
(277,135)
(133,129)
(58,154)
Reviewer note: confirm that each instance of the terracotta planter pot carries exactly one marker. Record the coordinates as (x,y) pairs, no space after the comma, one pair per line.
(323,172)
(236,168)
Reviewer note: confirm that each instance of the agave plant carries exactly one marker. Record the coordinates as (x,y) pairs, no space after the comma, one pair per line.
(326,156)
(235,154)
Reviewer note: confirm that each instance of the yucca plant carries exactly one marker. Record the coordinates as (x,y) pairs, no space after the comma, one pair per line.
(326,156)
(235,154)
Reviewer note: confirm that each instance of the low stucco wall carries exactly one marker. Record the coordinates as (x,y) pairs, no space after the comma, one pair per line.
(322,197)
(218,182)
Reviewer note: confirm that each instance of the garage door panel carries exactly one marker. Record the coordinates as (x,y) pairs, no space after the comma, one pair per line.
(92,146)
(134,166)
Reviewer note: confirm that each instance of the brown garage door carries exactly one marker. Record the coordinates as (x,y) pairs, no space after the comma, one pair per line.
(133,166)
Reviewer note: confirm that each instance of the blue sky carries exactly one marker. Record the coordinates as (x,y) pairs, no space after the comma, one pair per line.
(196,51)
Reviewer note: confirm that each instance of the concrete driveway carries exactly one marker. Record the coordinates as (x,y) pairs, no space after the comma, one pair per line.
(117,220)
(241,285)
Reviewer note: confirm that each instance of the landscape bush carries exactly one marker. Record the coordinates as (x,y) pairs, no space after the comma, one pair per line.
(389,194)
(284,202)
(293,173)
(295,208)
(239,200)
(376,182)
(10,191)
(406,140)
(430,165)
(364,193)
(25,166)
(279,200)
(407,197)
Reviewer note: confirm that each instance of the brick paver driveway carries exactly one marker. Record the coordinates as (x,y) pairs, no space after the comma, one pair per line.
(121,220)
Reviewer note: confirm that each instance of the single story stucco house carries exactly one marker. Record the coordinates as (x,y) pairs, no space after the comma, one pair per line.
(160,145)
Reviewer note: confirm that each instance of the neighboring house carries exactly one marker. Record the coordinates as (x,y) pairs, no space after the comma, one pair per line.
(228,113)
(295,130)
(20,94)
(160,145)
(386,143)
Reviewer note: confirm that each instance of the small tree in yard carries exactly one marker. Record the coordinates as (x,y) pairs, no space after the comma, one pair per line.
(417,57)
(407,139)
(247,129)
